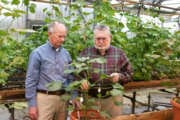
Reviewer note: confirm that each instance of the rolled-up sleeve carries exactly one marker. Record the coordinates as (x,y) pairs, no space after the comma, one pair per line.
(32,78)
(126,69)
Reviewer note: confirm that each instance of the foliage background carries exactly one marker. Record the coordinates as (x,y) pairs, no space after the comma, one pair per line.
(153,51)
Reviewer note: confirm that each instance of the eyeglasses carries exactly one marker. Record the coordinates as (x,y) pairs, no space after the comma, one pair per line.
(60,36)
(101,38)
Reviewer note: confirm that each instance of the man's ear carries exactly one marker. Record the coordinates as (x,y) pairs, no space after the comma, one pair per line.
(49,33)
(111,37)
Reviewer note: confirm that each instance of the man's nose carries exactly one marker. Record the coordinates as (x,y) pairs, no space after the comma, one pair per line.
(62,38)
(101,40)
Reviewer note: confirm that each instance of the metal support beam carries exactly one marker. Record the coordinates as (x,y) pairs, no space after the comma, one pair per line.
(11,110)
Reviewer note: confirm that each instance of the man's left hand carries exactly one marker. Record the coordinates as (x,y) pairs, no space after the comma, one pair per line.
(76,104)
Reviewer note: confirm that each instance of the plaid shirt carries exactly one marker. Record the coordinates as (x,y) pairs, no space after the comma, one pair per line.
(116,62)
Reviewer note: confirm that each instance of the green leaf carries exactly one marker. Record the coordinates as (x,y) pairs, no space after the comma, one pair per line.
(20,105)
(82,59)
(121,25)
(96,71)
(69,71)
(73,85)
(98,60)
(19,11)
(55,85)
(7,14)
(32,7)
(118,86)
(104,76)
(115,92)
(77,71)
(45,9)
(79,65)
(117,89)
(3,33)
(105,114)
(4,1)
(118,103)
(57,11)
(70,107)
(65,97)
(26,2)
(15,2)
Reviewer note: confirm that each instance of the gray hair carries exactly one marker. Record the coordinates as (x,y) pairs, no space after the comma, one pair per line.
(53,24)
(102,28)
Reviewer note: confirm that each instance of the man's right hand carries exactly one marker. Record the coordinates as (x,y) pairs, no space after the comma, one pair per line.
(33,113)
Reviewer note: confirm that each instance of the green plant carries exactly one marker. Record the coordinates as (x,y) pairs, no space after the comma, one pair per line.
(153,51)
(11,57)
(82,69)
(12,50)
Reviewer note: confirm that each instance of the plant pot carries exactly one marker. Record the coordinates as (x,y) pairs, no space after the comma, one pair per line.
(86,115)
(176,108)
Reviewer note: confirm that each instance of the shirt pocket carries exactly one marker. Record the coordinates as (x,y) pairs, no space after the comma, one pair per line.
(112,66)
(63,65)
(47,66)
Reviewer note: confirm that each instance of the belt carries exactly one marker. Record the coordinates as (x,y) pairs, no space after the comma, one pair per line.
(94,93)
(59,92)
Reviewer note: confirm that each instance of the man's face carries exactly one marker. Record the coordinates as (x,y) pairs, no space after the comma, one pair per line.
(58,35)
(102,39)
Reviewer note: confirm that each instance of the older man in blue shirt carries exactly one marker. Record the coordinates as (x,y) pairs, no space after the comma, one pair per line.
(46,64)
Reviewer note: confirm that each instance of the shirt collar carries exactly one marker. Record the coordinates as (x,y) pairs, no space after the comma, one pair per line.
(56,49)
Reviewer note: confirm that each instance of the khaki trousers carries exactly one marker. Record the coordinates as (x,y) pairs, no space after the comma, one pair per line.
(51,107)
(108,105)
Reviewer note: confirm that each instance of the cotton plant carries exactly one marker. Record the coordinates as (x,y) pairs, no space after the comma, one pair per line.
(82,71)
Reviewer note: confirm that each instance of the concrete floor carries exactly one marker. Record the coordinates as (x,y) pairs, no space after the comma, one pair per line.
(141,96)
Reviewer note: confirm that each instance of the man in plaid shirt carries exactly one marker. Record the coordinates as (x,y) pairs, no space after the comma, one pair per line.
(117,67)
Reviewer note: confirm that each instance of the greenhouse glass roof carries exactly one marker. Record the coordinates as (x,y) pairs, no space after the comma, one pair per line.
(169,9)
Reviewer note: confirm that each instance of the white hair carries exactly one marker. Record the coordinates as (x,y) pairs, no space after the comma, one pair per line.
(53,24)
(102,28)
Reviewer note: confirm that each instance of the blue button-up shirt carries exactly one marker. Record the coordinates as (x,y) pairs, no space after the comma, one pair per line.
(46,64)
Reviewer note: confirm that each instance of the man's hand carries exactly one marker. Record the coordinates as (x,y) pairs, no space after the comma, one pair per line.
(33,113)
(85,85)
(76,104)
(115,77)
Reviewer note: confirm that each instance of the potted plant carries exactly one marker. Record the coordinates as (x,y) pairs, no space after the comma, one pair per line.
(176,108)
(82,70)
